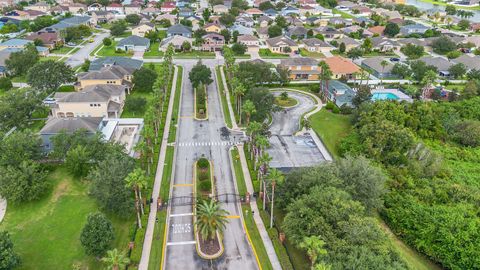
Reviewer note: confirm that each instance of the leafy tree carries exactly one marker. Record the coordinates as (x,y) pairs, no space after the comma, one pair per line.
(458,70)
(419,69)
(9,258)
(17,107)
(239,49)
(135,104)
(355,53)
(391,29)
(86,65)
(274,176)
(118,28)
(78,161)
(470,90)
(9,28)
(443,45)
(47,76)
(115,260)
(97,234)
(20,146)
(281,21)
(210,219)
(248,109)
(253,73)
(165,23)
(367,45)
(186,46)
(137,181)
(467,133)
(226,34)
(206,14)
(314,247)
(133,19)
(200,74)
(77,32)
(463,24)
(20,62)
(144,78)
(23,182)
(274,31)
(413,51)
(325,76)
(451,10)
(363,95)
(241,4)
(5,84)
(266,5)
(401,70)
(108,186)
(107,42)
(227,19)
(342,47)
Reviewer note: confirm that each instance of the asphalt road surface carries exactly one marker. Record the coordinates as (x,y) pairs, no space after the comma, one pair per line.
(81,55)
(203,139)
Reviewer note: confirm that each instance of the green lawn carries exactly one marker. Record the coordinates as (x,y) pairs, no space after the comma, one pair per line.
(201,102)
(48,58)
(237,167)
(110,51)
(266,53)
(343,14)
(64,50)
(255,238)
(286,103)
(441,3)
(223,98)
(176,106)
(306,53)
(20,78)
(46,232)
(136,114)
(153,52)
(331,128)
(195,54)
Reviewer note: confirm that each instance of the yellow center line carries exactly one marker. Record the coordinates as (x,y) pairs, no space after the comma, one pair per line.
(182,185)
(233,216)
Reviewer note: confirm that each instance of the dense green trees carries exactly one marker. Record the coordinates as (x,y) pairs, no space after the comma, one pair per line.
(443,45)
(118,28)
(200,74)
(20,62)
(133,19)
(391,29)
(144,78)
(17,107)
(47,76)
(412,51)
(9,259)
(97,234)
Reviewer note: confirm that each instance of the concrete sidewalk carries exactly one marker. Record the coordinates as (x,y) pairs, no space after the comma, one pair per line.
(147,243)
(267,242)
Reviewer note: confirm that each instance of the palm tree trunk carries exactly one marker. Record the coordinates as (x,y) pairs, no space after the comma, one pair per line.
(139,220)
(264,195)
(271,210)
(141,202)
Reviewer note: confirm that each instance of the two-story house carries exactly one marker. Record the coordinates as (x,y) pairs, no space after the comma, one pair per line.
(213,42)
(301,68)
(115,75)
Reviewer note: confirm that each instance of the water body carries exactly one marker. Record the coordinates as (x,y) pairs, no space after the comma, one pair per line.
(426,6)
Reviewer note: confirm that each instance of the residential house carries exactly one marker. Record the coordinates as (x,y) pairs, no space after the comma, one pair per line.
(262,33)
(293,20)
(308,11)
(349,42)
(24,14)
(242,30)
(99,17)
(4,55)
(413,29)
(342,67)
(133,43)
(362,20)
(220,9)
(71,22)
(311,3)
(115,74)
(317,21)
(471,62)
(213,42)
(125,62)
(213,28)
(77,8)
(59,10)
(195,20)
(15,43)
(141,29)
(151,11)
(380,66)
(186,12)
(49,39)
(385,44)
(290,10)
(168,7)
(132,9)
(297,32)
(176,41)
(392,14)
(442,64)
(317,45)
(179,30)
(339,21)
(271,13)
(341,94)
(251,41)
(39,6)
(281,44)
(301,68)
(362,10)
(7,3)
(378,30)
(171,18)
(254,12)
(95,7)
(329,33)
(115,8)
(348,5)
(263,21)
(245,21)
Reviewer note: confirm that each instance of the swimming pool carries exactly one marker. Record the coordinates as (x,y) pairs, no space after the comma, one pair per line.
(384,96)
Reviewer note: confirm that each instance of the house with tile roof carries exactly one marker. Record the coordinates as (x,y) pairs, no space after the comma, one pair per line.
(301,68)
(280,45)
(342,67)
(112,75)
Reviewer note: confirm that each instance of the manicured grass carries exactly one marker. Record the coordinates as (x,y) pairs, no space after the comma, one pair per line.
(141,112)
(20,78)
(243,56)
(110,51)
(331,128)
(377,53)
(289,102)
(255,238)
(237,167)
(64,50)
(49,58)
(157,244)
(266,53)
(201,102)
(441,3)
(46,232)
(223,98)
(344,14)
(153,52)
(176,106)
(205,190)
(195,54)
(306,53)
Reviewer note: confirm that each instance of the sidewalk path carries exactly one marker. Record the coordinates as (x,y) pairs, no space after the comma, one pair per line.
(267,242)
(147,243)
(227,93)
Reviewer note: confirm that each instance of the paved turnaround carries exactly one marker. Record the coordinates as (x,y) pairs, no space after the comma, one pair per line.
(180,251)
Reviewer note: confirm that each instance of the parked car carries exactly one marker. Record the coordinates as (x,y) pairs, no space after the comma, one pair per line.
(394,59)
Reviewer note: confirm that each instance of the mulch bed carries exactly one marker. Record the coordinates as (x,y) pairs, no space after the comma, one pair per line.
(209,247)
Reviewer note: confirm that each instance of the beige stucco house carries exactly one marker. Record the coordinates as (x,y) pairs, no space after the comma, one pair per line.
(142,29)
(112,75)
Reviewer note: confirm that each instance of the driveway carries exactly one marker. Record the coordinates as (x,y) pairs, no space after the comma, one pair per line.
(79,57)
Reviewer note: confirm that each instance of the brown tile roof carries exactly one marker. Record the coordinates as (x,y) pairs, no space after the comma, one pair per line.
(340,65)
(377,29)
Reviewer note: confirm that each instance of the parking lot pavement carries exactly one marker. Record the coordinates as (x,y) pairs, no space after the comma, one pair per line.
(288,151)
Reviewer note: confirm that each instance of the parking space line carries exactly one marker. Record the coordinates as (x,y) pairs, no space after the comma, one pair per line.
(181,215)
(181,243)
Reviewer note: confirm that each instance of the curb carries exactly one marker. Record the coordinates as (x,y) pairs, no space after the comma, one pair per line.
(195,105)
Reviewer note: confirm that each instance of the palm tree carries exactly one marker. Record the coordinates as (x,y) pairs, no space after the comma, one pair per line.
(239,92)
(314,247)
(384,63)
(253,129)
(428,80)
(115,260)
(210,219)
(275,176)
(260,145)
(249,109)
(325,76)
(263,163)
(137,181)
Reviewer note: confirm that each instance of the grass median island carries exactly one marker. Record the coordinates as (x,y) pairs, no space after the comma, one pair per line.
(237,167)
(285,102)
(223,98)
(201,106)
(203,179)
(176,105)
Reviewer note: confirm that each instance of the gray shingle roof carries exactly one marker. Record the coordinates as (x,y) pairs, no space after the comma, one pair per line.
(56,125)
(299,61)
(276,40)
(135,41)
(125,62)
(93,93)
(178,28)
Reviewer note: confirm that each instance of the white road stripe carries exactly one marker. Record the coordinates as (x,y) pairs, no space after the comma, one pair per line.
(181,215)
(181,243)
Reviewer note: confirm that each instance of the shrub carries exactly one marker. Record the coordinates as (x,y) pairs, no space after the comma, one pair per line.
(203,175)
(205,186)
(203,163)
(5,84)
(107,42)
(336,110)
(329,105)
(135,104)
(119,51)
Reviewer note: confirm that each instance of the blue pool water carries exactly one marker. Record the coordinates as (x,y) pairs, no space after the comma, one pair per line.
(383,96)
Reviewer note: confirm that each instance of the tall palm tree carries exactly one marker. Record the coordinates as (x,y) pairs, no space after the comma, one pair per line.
(248,108)
(239,92)
(263,161)
(115,260)
(384,63)
(253,129)
(325,76)
(137,181)
(314,247)
(275,176)
(210,219)
(260,145)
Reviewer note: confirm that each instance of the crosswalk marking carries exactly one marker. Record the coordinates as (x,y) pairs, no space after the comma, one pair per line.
(181,243)
(216,143)
(181,215)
